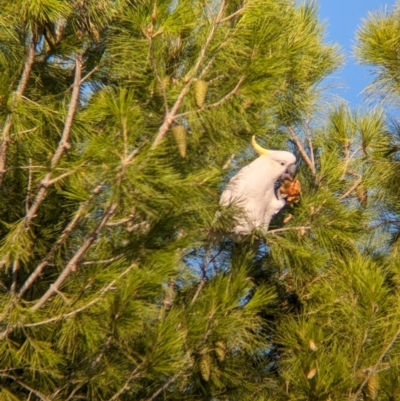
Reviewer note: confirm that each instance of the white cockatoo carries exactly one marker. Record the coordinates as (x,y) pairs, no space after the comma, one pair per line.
(253,191)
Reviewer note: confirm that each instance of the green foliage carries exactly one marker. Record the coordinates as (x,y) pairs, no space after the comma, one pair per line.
(109,288)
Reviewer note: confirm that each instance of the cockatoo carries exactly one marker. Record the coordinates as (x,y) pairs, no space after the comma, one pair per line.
(253,191)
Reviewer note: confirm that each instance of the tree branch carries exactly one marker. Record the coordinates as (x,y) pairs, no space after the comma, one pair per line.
(39,269)
(153,60)
(60,177)
(216,104)
(279,230)
(375,367)
(302,151)
(125,387)
(163,387)
(170,116)
(352,188)
(15,268)
(82,308)
(348,159)
(71,265)
(63,144)
(5,137)
(233,15)
(65,234)
(24,385)
(309,140)
(29,189)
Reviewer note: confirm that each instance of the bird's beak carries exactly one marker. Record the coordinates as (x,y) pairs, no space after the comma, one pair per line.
(290,173)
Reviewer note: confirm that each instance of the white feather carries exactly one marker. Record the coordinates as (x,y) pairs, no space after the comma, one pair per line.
(252,191)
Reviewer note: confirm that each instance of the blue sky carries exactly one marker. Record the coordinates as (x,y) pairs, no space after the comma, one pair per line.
(342,17)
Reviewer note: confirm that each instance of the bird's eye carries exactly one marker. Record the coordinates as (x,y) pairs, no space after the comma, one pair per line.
(282,163)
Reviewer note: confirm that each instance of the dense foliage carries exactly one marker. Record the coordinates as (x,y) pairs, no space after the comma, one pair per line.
(121,121)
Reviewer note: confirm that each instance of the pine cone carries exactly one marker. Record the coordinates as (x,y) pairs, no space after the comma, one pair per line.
(200,91)
(291,190)
(220,350)
(179,133)
(205,367)
(372,386)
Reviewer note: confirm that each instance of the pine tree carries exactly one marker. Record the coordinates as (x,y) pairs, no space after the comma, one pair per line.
(338,327)
(120,124)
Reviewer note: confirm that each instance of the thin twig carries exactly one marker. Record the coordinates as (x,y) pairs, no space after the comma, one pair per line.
(279,230)
(348,159)
(39,269)
(171,115)
(233,15)
(65,234)
(216,104)
(29,189)
(120,222)
(107,288)
(364,340)
(302,151)
(125,387)
(352,188)
(105,347)
(71,265)
(5,137)
(163,387)
(27,387)
(90,73)
(309,139)
(63,144)
(154,63)
(199,288)
(15,269)
(63,297)
(375,367)
(62,176)
(95,262)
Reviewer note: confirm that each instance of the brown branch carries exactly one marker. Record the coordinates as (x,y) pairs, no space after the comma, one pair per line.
(125,387)
(375,367)
(121,221)
(84,307)
(39,269)
(199,288)
(60,177)
(302,151)
(216,104)
(63,144)
(233,15)
(15,268)
(5,137)
(309,140)
(364,340)
(163,387)
(27,387)
(279,230)
(65,234)
(154,63)
(105,347)
(170,116)
(71,265)
(90,73)
(348,159)
(29,189)
(105,261)
(352,188)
